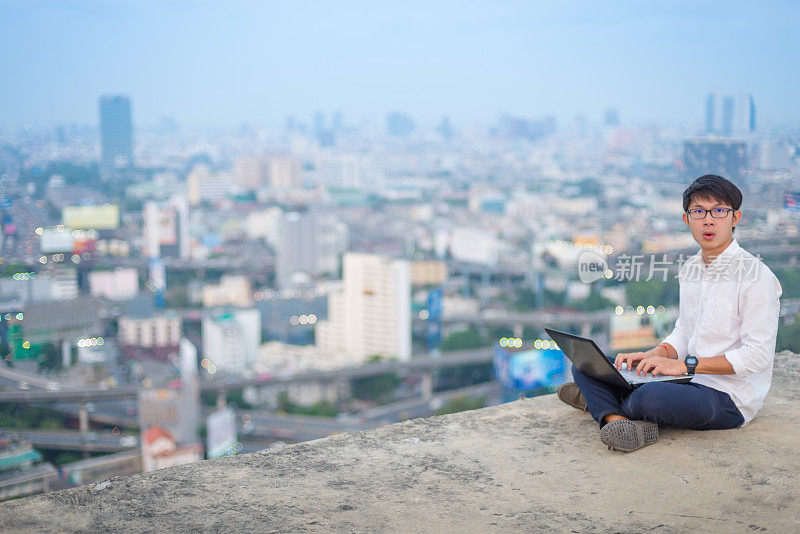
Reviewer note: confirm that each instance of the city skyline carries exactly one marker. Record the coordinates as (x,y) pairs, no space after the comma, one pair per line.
(206,65)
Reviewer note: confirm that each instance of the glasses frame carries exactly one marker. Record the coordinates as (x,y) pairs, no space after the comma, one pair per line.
(707,212)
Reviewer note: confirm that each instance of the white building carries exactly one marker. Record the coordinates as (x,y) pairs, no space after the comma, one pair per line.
(310,244)
(372,313)
(348,171)
(119,284)
(264,225)
(232,290)
(473,245)
(275,171)
(152,331)
(202,184)
(64,284)
(231,338)
(166,229)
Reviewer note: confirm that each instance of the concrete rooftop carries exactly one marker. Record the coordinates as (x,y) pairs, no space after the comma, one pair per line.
(531,465)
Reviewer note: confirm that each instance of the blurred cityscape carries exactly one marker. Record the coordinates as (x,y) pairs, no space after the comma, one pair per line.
(170,293)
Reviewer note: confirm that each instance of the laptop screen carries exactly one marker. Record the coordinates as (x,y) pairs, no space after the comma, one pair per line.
(587,357)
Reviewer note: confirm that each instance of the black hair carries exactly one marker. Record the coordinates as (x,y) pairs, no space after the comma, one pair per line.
(716,188)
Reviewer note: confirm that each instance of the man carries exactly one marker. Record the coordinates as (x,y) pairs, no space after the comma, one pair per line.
(724,337)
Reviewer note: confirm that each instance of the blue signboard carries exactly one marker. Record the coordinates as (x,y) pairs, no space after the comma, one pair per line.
(434,338)
(791,201)
(527,371)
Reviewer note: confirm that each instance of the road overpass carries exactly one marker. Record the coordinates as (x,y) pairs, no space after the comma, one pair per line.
(76,441)
(477,356)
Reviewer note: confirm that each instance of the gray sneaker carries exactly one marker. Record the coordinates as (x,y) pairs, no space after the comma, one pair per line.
(627,436)
(570,394)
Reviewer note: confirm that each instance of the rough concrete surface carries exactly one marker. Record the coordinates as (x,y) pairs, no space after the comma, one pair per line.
(531,465)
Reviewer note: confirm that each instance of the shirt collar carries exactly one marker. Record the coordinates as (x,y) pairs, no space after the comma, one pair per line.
(723,259)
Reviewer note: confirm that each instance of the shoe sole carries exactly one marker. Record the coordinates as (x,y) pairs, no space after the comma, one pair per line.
(628,436)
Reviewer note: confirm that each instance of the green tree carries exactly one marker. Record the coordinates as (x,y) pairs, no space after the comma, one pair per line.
(461,403)
(50,358)
(654,292)
(789,337)
(377,387)
(464,375)
(321,408)
(594,302)
(467,339)
(790,283)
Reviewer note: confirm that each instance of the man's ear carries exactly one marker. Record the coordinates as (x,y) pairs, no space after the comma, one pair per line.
(686,218)
(737,216)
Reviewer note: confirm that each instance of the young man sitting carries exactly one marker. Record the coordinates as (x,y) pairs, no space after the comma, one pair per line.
(724,337)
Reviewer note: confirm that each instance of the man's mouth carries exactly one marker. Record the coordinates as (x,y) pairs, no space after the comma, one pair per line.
(708,235)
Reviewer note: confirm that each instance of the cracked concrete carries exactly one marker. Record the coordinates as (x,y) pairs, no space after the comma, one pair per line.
(531,465)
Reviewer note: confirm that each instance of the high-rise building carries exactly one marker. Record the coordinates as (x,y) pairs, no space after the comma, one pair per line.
(730,115)
(116,133)
(231,338)
(745,113)
(611,117)
(445,129)
(310,244)
(726,157)
(711,103)
(372,313)
(727,115)
(166,229)
(190,390)
(399,124)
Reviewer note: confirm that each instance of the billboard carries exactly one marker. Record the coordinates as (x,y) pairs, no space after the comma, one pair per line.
(221,427)
(58,239)
(528,370)
(105,217)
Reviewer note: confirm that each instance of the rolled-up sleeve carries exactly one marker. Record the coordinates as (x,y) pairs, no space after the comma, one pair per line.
(679,339)
(760,313)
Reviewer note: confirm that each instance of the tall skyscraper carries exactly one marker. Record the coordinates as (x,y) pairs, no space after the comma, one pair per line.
(372,313)
(711,103)
(116,134)
(399,124)
(727,115)
(310,244)
(611,117)
(745,114)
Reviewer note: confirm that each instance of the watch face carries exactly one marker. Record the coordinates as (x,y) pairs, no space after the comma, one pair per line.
(691,360)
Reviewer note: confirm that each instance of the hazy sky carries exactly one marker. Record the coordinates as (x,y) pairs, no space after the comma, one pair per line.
(227,62)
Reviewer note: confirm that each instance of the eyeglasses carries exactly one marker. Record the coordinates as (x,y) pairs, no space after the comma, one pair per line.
(717,213)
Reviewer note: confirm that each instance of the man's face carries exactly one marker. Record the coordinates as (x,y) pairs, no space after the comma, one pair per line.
(713,234)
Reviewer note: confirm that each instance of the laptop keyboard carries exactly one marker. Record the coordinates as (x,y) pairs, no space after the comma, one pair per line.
(632,377)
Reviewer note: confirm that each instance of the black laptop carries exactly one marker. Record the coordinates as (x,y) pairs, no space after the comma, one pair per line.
(590,360)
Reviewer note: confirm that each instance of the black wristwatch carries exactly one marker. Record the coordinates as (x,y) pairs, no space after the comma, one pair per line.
(691,364)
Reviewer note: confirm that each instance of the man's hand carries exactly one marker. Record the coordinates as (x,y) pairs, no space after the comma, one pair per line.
(630,358)
(661,366)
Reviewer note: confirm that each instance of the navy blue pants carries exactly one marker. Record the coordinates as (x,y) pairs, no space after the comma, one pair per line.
(678,405)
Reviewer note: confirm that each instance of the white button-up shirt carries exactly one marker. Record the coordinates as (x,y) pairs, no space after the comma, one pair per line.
(730,307)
